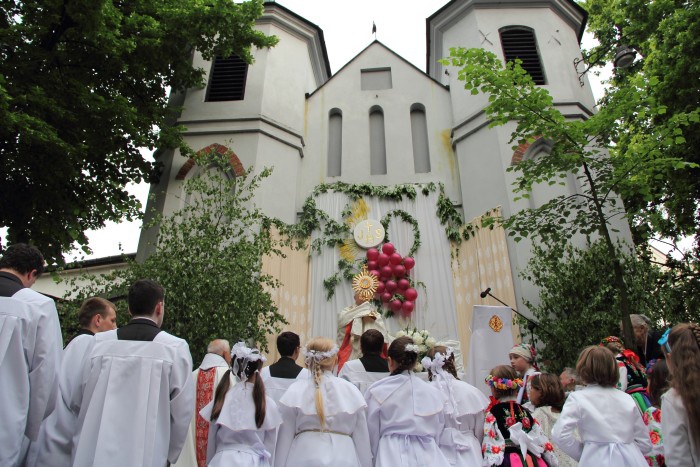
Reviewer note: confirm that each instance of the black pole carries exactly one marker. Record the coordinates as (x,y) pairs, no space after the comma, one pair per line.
(531,324)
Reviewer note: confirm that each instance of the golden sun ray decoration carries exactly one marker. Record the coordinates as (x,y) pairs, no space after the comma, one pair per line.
(365,284)
(349,250)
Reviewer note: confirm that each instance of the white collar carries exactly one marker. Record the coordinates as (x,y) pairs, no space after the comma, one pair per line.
(212,360)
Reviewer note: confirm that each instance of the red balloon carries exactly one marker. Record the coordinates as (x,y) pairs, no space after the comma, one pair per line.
(386,272)
(390,286)
(395,305)
(374,272)
(386,296)
(380,288)
(403,284)
(383,259)
(388,248)
(372,254)
(399,270)
(409,263)
(395,259)
(372,265)
(411,294)
(407,306)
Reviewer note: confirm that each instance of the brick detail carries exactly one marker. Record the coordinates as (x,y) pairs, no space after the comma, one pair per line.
(521,150)
(236,164)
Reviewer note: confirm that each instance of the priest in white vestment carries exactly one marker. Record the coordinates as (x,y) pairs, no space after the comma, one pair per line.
(353,321)
(207,377)
(30,352)
(369,368)
(281,374)
(136,397)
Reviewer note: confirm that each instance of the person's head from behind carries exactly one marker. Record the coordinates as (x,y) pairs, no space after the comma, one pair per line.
(658,378)
(568,379)
(289,345)
(597,365)
(146,299)
(546,391)
(504,382)
(371,342)
(403,355)
(24,261)
(97,315)
(521,357)
(220,347)
(449,365)
(321,354)
(683,357)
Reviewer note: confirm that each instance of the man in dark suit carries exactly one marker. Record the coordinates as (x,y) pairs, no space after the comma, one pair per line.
(281,374)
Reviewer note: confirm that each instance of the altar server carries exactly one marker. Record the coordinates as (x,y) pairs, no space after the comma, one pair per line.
(405,415)
(610,428)
(243,422)
(281,374)
(324,416)
(136,397)
(461,439)
(30,352)
(369,368)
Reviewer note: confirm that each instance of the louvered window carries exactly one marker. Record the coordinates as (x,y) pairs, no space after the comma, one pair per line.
(521,43)
(227,79)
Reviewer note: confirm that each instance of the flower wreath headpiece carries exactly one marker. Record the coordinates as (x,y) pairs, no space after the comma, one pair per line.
(412,348)
(609,339)
(241,355)
(503,383)
(315,356)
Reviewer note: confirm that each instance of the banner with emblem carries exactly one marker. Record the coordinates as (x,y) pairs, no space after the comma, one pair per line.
(491,339)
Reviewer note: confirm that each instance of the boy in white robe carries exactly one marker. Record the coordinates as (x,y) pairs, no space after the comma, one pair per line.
(30,352)
(371,367)
(136,397)
(281,374)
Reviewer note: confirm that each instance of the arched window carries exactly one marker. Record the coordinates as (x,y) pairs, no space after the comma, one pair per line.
(335,142)
(419,138)
(519,42)
(227,79)
(377,144)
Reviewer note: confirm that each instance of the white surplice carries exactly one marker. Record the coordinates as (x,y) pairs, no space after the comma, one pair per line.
(405,418)
(135,402)
(354,371)
(276,387)
(461,439)
(235,440)
(55,442)
(344,441)
(680,448)
(188,456)
(610,427)
(30,356)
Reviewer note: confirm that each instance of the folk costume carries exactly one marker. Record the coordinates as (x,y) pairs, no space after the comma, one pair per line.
(610,429)
(633,379)
(680,448)
(342,441)
(365,371)
(527,352)
(31,347)
(406,418)
(461,439)
(546,417)
(652,419)
(235,440)
(206,378)
(136,398)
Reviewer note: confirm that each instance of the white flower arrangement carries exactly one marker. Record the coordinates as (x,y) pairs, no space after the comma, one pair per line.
(421,339)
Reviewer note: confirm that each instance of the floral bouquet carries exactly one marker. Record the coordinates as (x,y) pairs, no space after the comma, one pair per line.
(422,339)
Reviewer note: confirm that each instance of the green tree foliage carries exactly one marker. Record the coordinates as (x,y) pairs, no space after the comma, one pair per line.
(579,304)
(209,260)
(83,86)
(579,148)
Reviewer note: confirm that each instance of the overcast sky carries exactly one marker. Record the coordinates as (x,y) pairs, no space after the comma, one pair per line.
(347,29)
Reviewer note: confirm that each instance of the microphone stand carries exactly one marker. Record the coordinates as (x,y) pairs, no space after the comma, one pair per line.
(531,324)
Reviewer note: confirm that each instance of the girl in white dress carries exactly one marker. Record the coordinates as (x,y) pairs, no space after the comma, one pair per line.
(610,428)
(547,395)
(464,409)
(680,423)
(405,415)
(243,421)
(325,420)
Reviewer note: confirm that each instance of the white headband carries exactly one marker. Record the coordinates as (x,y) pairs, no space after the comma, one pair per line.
(317,355)
(240,351)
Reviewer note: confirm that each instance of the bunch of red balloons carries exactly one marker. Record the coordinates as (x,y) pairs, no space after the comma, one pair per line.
(391,269)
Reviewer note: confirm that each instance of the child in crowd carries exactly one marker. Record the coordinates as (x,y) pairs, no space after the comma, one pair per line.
(512,436)
(243,421)
(522,359)
(633,378)
(547,395)
(680,424)
(610,428)
(658,384)
(325,421)
(405,415)
(464,409)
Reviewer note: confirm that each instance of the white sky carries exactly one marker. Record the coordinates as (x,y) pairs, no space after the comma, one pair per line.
(347,29)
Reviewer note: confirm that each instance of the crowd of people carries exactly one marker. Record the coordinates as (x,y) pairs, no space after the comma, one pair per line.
(129,397)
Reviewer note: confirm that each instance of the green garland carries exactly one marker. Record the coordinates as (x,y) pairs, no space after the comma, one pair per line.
(406,217)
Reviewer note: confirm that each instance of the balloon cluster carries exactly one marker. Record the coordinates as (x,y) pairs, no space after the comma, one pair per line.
(394,289)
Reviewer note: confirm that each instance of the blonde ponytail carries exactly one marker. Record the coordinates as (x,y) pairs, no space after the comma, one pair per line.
(320,355)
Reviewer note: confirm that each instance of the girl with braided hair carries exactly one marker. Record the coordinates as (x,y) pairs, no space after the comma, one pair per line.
(405,415)
(243,421)
(325,421)
(680,424)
